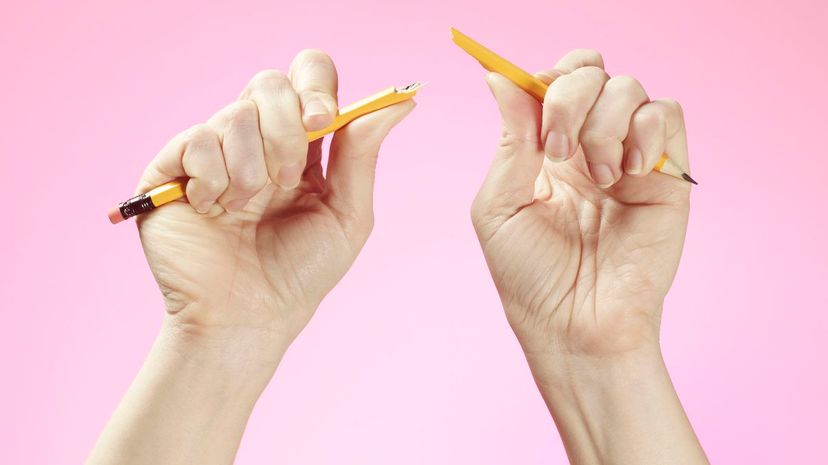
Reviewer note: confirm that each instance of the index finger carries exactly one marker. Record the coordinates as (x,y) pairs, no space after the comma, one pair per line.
(314,78)
(578,58)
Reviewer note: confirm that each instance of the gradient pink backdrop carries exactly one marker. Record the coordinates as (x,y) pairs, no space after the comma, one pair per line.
(410,360)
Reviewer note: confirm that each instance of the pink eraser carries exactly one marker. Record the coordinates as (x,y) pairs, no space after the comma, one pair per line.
(114,215)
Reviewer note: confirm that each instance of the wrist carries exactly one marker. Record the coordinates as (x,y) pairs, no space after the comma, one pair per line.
(620,408)
(235,361)
(567,375)
(576,336)
(259,333)
(190,401)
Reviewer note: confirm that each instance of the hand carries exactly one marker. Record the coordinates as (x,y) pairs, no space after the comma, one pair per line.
(263,235)
(583,243)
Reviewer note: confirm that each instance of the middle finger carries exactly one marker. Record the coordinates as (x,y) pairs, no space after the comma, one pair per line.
(284,138)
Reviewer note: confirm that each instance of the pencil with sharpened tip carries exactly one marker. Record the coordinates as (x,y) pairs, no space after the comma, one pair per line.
(537,88)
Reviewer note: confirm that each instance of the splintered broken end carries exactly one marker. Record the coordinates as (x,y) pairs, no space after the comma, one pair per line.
(411,87)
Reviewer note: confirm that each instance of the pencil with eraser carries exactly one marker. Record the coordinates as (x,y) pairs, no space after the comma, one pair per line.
(176,189)
(537,88)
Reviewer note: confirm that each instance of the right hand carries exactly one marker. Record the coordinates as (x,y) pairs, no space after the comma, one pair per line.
(581,236)
(263,235)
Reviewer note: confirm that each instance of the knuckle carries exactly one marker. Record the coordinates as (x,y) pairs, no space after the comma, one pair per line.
(593,138)
(312,55)
(244,113)
(198,131)
(214,185)
(673,116)
(592,72)
(649,118)
(200,137)
(249,181)
(591,56)
(673,106)
(270,79)
(559,111)
(624,84)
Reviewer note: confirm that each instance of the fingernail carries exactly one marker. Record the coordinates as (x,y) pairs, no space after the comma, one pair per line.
(557,146)
(601,174)
(289,175)
(635,161)
(236,205)
(315,108)
(204,207)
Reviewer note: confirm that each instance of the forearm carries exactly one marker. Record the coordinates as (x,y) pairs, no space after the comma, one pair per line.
(189,403)
(617,410)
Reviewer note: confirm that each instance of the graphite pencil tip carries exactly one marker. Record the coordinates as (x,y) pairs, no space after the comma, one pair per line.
(414,86)
(688,178)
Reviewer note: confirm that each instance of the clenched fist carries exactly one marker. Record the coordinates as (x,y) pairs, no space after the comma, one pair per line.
(581,236)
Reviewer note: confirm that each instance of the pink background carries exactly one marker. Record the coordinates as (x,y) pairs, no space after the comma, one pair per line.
(410,360)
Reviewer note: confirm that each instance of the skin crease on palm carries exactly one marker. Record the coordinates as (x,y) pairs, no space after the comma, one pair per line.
(581,237)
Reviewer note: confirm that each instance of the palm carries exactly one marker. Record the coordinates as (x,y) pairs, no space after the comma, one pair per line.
(589,264)
(284,251)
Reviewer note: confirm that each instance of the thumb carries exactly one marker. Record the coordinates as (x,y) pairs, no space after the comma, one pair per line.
(353,161)
(510,183)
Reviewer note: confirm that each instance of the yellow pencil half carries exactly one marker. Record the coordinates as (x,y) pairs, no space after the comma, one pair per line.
(382,99)
(493,62)
(176,189)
